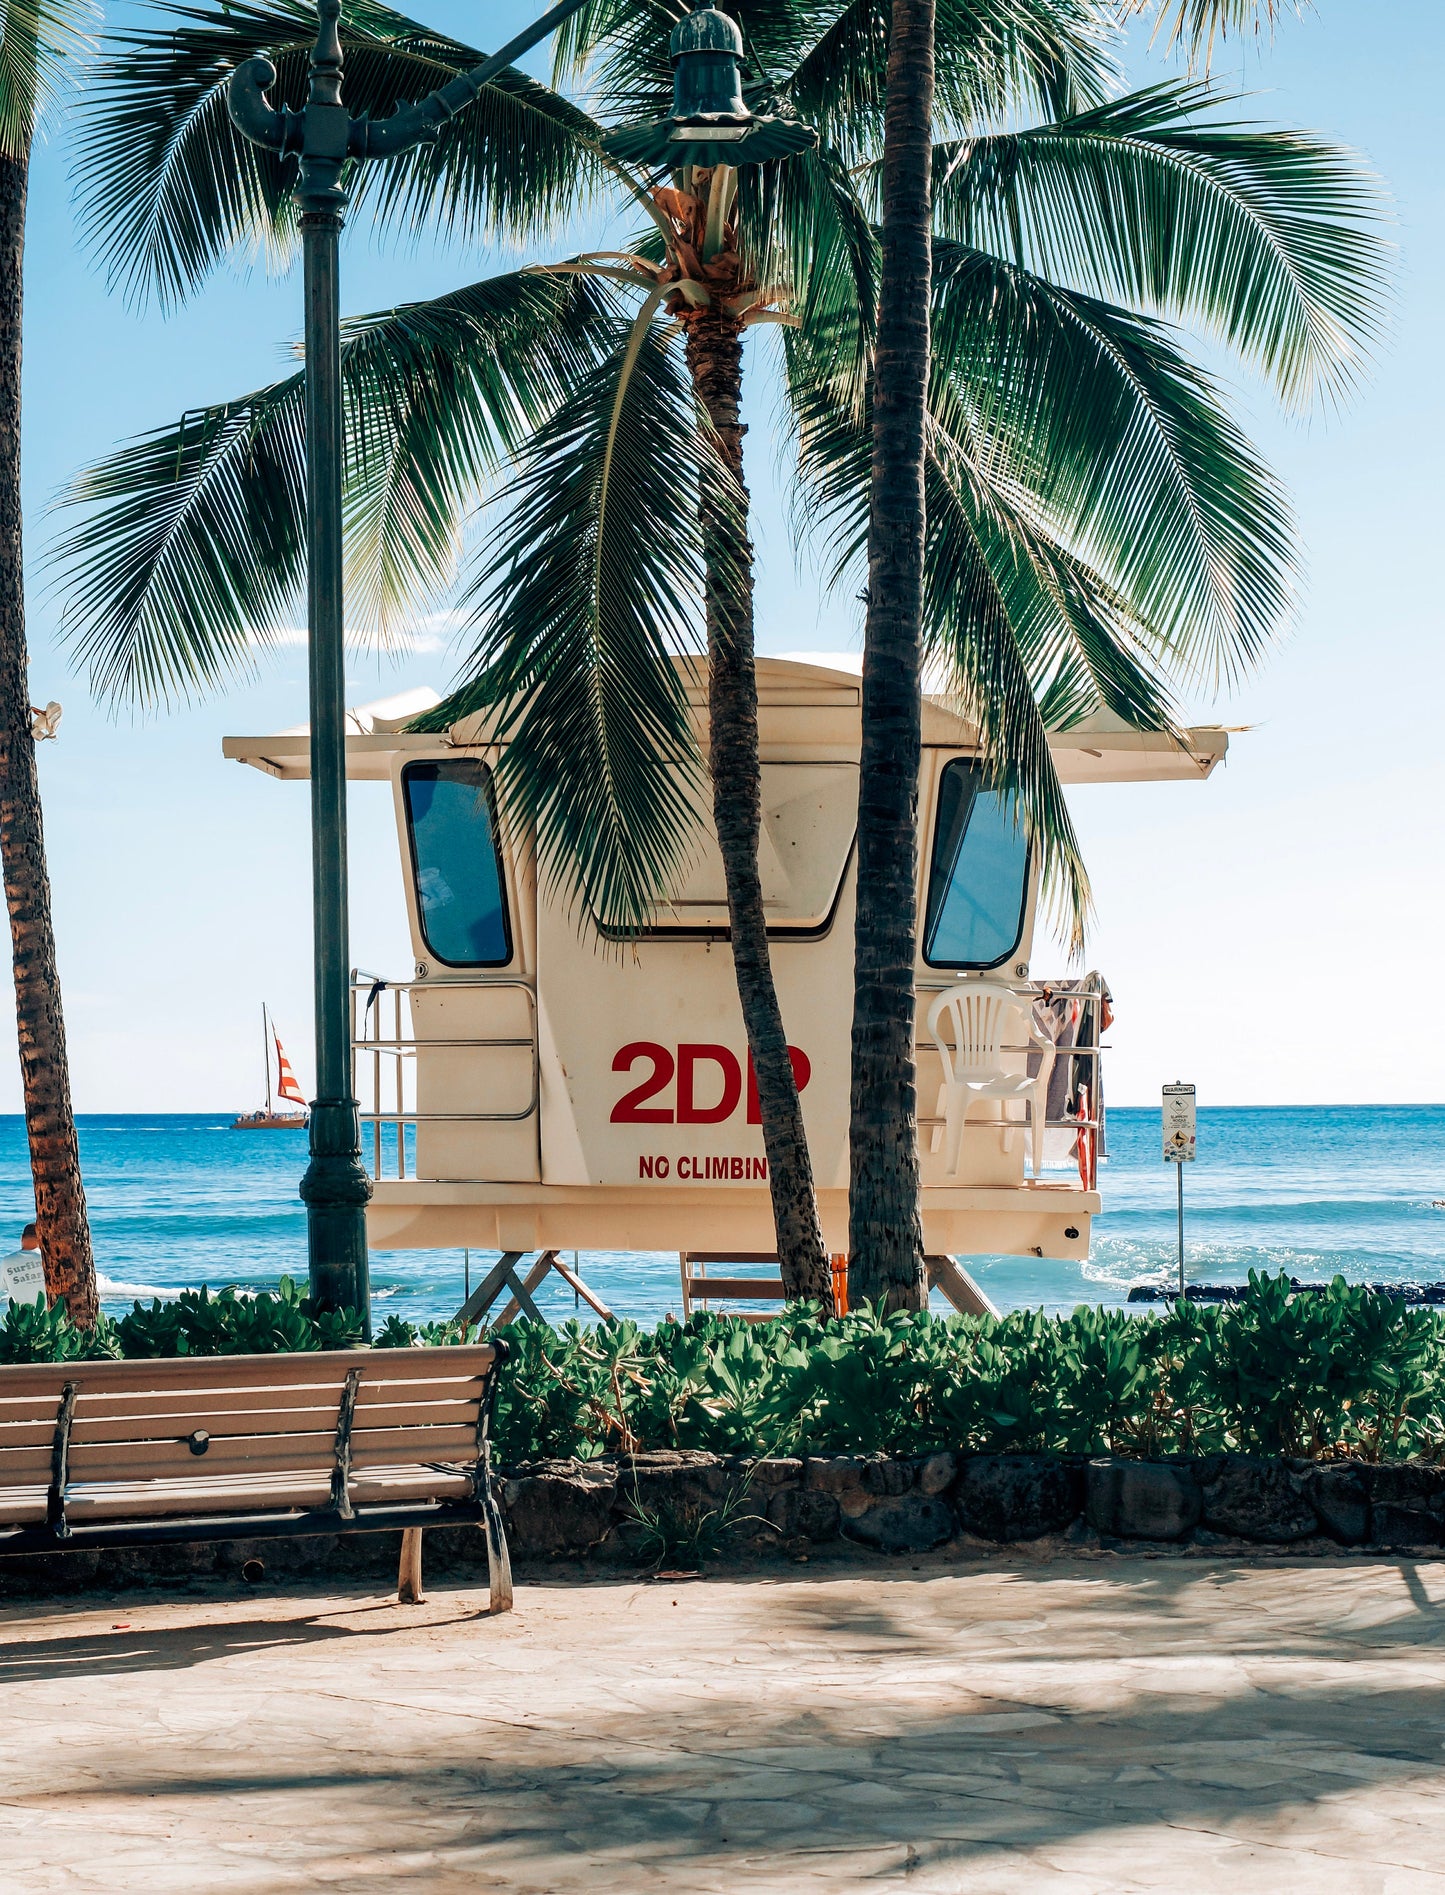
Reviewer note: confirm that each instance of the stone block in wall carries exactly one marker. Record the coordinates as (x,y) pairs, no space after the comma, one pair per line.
(803,1513)
(459,1551)
(1018,1496)
(564,1508)
(833,1473)
(46,1573)
(1254,1499)
(903,1523)
(1142,1500)
(1407,1504)
(1340,1496)
(884,1475)
(768,1475)
(307,1556)
(840,1475)
(937,1473)
(675,1480)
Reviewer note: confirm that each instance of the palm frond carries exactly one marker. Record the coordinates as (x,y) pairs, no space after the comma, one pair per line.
(1196,24)
(1097,527)
(598,586)
(190,548)
(992,57)
(41,45)
(1002,601)
(168,187)
(1081,644)
(441,396)
(1007,613)
(1125,448)
(806,232)
(1268,239)
(193,547)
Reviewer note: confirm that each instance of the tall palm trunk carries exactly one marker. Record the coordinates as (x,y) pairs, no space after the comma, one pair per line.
(714,359)
(45,1074)
(885,1229)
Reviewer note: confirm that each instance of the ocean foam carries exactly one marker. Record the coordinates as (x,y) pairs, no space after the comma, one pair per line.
(112,1292)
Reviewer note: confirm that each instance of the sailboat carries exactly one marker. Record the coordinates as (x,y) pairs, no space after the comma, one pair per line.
(268,1119)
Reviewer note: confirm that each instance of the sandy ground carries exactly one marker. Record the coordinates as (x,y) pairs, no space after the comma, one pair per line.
(1105,1725)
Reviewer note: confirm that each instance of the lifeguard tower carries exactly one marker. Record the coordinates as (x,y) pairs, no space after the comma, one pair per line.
(531,1087)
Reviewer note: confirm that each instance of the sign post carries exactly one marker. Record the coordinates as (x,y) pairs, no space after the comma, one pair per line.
(1179,1140)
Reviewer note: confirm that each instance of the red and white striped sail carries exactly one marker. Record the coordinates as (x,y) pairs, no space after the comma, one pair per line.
(286,1086)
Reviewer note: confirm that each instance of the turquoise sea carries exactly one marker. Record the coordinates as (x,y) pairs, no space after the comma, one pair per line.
(178,1201)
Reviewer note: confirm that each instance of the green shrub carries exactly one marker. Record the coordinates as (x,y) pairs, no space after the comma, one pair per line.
(33,1333)
(1338,1372)
(278,1322)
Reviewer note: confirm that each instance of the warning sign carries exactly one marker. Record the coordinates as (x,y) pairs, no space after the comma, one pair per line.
(1178,1124)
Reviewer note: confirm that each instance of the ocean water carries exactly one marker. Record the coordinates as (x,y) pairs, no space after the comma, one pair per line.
(181,1201)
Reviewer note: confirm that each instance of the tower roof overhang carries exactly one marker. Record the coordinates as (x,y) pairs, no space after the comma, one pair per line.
(809,699)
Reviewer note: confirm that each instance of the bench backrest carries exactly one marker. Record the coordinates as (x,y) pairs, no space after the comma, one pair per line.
(326,1413)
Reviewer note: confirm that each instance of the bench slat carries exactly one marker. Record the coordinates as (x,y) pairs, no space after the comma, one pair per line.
(19,1466)
(258,1401)
(321,1369)
(299,1452)
(106,1460)
(233,1493)
(168,1423)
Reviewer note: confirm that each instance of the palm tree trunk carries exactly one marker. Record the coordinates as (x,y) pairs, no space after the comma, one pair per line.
(60,1215)
(714,359)
(885,1230)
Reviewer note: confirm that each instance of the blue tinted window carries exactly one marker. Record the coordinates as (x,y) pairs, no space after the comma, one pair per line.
(459,888)
(979,877)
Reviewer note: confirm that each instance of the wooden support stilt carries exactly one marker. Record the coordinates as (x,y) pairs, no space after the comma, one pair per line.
(948,1274)
(522,1290)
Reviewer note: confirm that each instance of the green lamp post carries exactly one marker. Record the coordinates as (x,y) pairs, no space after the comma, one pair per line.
(710,124)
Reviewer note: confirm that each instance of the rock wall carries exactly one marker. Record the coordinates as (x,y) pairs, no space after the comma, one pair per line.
(620,1507)
(680,1509)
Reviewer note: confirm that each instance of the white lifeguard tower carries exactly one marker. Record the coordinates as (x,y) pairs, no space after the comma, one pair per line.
(531,1087)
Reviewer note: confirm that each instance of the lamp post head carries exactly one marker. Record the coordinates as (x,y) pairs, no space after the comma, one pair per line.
(710,123)
(707,51)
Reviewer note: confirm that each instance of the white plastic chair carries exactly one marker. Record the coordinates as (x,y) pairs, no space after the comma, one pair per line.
(983,1017)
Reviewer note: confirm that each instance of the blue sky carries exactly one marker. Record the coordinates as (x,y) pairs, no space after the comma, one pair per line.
(1273,935)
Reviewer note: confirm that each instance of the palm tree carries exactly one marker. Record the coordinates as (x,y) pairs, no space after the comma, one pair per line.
(1097,524)
(37,38)
(885,1230)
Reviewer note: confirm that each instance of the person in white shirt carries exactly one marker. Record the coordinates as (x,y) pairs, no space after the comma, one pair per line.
(22,1273)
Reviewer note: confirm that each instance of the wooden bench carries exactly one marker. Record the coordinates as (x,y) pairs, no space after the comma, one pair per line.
(944,1273)
(100,1454)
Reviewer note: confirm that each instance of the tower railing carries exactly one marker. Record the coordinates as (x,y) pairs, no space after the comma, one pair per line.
(384,1049)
